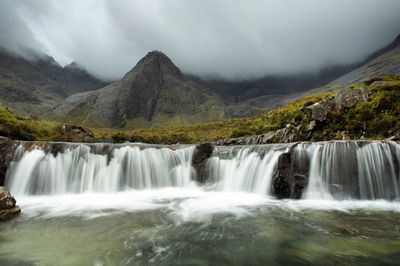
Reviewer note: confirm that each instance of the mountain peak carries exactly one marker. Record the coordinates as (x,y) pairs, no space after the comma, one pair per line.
(156,62)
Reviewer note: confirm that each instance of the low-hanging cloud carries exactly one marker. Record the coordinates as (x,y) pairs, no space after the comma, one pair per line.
(225,38)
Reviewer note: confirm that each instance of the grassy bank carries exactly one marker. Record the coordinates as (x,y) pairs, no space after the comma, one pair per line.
(377,118)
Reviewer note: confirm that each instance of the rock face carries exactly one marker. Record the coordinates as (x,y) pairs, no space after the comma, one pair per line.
(154,92)
(79,133)
(8,209)
(200,155)
(291,176)
(37,85)
(7,149)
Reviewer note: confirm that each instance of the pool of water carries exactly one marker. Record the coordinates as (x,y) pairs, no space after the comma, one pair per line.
(197,227)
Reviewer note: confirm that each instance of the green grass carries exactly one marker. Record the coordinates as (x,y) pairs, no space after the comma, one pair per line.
(374,119)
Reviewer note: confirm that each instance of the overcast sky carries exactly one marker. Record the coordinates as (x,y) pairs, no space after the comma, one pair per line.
(224,38)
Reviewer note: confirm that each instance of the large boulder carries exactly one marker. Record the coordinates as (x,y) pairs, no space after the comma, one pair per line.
(8,209)
(200,155)
(291,176)
(318,111)
(350,97)
(79,133)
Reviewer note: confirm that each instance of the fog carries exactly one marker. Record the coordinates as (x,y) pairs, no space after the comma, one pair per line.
(225,38)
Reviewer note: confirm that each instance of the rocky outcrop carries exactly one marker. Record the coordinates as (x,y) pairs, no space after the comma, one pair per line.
(79,133)
(8,209)
(7,149)
(314,117)
(291,176)
(200,155)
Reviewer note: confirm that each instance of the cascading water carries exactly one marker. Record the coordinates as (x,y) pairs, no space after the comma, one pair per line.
(336,170)
(137,204)
(247,171)
(353,170)
(78,169)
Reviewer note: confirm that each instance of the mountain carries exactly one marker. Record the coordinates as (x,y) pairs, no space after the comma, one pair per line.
(279,91)
(383,62)
(37,85)
(153,93)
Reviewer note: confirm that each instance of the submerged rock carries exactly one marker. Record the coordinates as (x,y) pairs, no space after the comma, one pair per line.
(8,209)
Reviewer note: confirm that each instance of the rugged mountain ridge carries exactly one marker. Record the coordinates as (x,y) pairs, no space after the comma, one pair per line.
(153,93)
(37,85)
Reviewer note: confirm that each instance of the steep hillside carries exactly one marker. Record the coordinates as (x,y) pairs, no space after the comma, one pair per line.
(37,85)
(153,93)
(383,62)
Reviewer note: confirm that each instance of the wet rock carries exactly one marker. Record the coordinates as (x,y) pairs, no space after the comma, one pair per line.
(200,155)
(291,176)
(79,133)
(7,149)
(27,136)
(350,97)
(8,209)
(6,200)
(10,213)
(268,137)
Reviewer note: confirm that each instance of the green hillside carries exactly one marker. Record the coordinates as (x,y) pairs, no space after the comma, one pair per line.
(375,114)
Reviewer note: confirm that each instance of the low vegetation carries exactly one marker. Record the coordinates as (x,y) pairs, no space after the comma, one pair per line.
(375,119)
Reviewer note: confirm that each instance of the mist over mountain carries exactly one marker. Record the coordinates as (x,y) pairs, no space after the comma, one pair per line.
(37,85)
(212,39)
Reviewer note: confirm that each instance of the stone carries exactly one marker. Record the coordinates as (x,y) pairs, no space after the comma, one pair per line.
(200,155)
(291,176)
(268,137)
(27,136)
(350,97)
(8,209)
(79,133)
(318,111)
(7,149)
(6,200)
(311,125)
(10,213)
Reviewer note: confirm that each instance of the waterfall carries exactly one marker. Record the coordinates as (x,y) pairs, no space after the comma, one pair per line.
(353,170)
(78,169)
(247,171)
(339,170)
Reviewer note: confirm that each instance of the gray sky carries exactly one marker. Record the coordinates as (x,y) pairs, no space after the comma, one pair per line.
(224,38)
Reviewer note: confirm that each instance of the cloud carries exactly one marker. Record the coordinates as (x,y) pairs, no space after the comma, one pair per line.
(226,38)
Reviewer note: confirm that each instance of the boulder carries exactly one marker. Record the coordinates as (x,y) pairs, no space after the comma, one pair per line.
(9,213)
(291,176)
(6,200)
(350,97)
(79,133)
(8,209)
(318,111)
(200,155)
(7,149)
